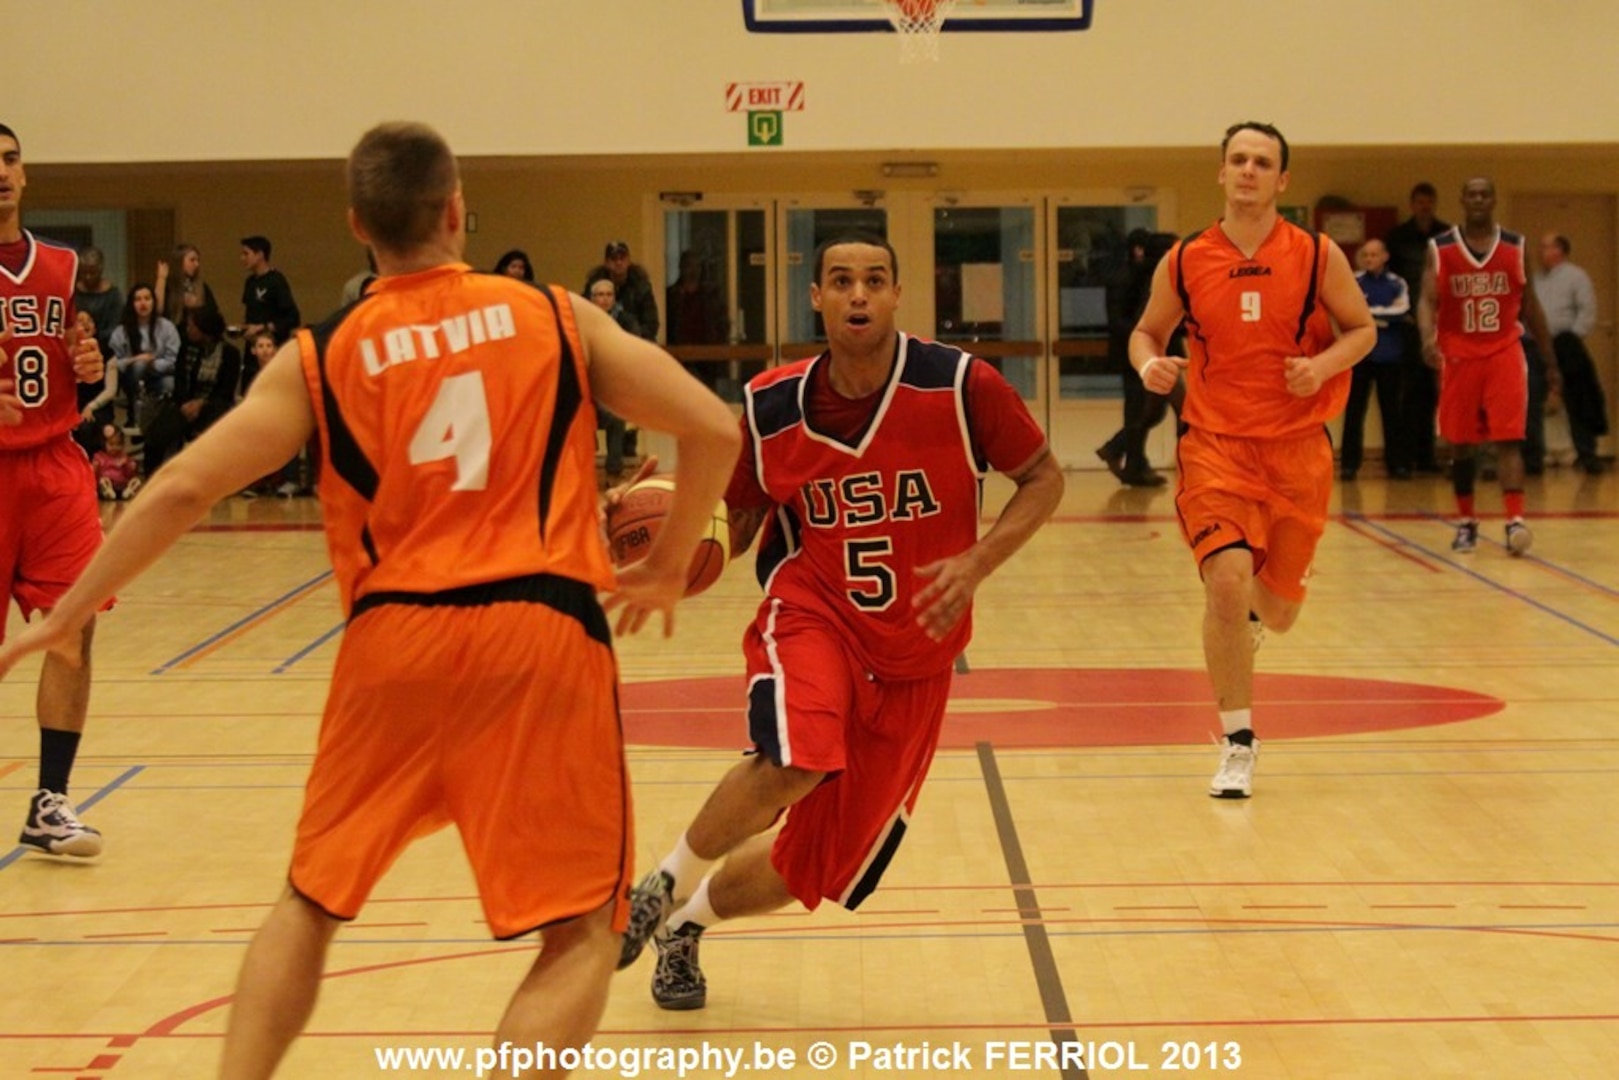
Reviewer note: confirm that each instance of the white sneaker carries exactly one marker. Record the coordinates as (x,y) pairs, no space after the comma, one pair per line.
(1519,538)
(53,828)
(287,490)
(1235,777)
(132,488)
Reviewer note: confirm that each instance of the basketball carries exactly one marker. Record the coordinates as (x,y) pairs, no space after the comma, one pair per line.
(633,524)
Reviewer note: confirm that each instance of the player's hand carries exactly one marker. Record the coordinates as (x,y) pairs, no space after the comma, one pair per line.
(941,604)
(1433,357)
(1303,378)
(1161,373)
(644,590)
(10,403)
(89,366)
(612,496)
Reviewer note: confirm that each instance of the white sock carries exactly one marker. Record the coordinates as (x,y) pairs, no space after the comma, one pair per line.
(697,910)
(684,867)
(1236,719)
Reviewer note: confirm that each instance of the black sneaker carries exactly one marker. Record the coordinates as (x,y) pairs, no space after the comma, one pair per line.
(678,983)
(650,902)
(53,828)
(1466,538)
(1113,457)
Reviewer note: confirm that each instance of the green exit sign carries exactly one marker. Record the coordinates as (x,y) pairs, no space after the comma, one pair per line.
(764,128)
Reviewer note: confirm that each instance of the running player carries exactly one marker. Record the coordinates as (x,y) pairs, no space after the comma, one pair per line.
(1476,298)
(1263,378)
(866,461)
(50,524)
(476,682)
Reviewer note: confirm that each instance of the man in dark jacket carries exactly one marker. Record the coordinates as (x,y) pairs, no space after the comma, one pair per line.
(632,284)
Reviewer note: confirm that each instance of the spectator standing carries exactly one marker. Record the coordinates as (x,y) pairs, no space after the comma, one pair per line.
(93,293)
(633,286)
(179,292)
(267,300)
(1407,244)
(603,295)
(1570,303)
(1389,299)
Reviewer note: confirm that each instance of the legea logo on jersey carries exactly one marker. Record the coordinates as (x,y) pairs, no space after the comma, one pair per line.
(1250,271)
(458,333)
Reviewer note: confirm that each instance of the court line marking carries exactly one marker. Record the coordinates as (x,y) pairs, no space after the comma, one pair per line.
(125,777)
(241,626)
(1047,976)
(281,668)
(1544,564)
(1497,586)
(1348,521)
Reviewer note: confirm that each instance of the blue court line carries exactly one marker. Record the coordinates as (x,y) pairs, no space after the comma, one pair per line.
(1558,567)
(1496,585)
(243,621)
(307,649)
(128,774)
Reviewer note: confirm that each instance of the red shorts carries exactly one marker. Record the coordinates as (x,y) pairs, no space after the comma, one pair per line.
(1270,495)
(1484,400)
(50,523)
(500,718)
(811,704)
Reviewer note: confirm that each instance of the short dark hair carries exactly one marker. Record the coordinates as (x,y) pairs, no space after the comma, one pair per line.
(1424,188)
(1563,243)
(260,244)
(5,130)
(401,176)
(1268,130)
(854,236)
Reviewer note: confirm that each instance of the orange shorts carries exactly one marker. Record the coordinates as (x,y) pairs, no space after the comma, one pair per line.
(500,718)
(1268,495)
(1484,399)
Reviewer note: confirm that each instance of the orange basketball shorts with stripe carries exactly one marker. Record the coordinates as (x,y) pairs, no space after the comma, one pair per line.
(501,719)
(1269,495)
(812,704)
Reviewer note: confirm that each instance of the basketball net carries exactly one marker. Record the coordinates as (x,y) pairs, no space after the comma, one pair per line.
(918,22)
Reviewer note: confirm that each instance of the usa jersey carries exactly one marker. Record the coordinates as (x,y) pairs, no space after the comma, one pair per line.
(459,436)
(1244,318)
(36,305)
(853,521)
(1479,299)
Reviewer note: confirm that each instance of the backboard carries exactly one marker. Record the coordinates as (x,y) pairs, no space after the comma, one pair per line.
(858,16)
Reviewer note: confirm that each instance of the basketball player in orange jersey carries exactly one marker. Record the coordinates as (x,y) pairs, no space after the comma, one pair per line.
(1259,296)
(476,682)
(864,465)
(1476,298)
(50,523)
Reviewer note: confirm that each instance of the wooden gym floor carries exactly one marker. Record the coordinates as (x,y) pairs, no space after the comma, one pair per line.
(1424,884)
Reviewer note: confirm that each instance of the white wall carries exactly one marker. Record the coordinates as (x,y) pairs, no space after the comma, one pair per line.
(117,81)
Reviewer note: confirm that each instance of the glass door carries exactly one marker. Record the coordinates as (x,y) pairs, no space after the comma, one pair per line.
(717,306)
(986,297)
(1089,261)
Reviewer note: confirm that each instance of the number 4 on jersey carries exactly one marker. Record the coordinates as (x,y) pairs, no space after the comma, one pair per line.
(457,426)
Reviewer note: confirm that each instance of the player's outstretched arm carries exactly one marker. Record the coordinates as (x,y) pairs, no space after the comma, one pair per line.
(647,386)
(261,434)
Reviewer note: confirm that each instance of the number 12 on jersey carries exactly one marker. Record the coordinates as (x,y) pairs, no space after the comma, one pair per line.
(457,426)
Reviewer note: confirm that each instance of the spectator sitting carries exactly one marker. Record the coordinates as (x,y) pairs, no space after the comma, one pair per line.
(117,474)
(145,346)
(355,287)
(179,293)
(95,399)
(98,296)
(515,263)
(205,387)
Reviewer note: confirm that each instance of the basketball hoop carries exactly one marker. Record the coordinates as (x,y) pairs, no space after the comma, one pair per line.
(918,22)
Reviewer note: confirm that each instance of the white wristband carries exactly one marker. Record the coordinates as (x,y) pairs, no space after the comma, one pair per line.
(1147,367)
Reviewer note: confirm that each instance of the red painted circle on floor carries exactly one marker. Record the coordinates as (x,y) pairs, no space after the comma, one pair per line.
(1084,707)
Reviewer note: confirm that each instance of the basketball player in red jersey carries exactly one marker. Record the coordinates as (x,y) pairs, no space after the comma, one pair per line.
(1264,376)
(50,524)
(863,464)
(1476,298)
(476,682)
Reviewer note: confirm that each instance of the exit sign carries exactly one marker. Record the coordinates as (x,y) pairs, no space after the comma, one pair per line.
(774,96)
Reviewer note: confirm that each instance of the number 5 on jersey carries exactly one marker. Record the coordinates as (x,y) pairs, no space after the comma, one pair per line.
(457,426)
